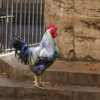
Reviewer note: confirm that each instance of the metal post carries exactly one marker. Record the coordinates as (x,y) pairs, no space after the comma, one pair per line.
(2,24)
(40,18)
(25,20)
(29,23)
(11,19)
(2,30)
(36,21)
(20,17)
(33,22)
(43,18)
(6,26)
(16,17)
(0,3)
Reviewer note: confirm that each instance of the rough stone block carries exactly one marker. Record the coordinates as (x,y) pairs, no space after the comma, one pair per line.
(84,79)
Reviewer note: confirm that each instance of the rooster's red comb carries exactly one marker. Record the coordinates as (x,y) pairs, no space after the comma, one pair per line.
(52,26)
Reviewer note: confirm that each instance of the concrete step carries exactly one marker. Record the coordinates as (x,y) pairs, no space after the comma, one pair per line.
(19,90)
(61,72)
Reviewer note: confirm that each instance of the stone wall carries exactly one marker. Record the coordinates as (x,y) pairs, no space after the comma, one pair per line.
(78,24)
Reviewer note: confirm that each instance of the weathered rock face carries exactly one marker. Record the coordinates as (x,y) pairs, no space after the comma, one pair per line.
(60,13)
(87,29)
(78,24)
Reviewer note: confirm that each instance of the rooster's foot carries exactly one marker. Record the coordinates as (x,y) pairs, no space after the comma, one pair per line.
(36,85)
(44,83)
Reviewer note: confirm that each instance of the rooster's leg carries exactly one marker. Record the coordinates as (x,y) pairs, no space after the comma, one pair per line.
(42,82)
(40,79)
(36,81)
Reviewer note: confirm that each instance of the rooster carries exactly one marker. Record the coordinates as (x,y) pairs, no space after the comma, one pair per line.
(38,58)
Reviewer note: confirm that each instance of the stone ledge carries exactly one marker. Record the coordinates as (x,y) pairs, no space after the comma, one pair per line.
(19,90)
(61,72)
(50,93)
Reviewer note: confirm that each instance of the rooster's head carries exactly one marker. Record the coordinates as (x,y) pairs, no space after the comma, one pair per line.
(53,30)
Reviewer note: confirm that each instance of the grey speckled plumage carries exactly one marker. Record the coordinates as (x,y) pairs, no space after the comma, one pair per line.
(42,63)
(39,58)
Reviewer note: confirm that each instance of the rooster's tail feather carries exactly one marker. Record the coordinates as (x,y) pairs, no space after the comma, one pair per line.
(21,49)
